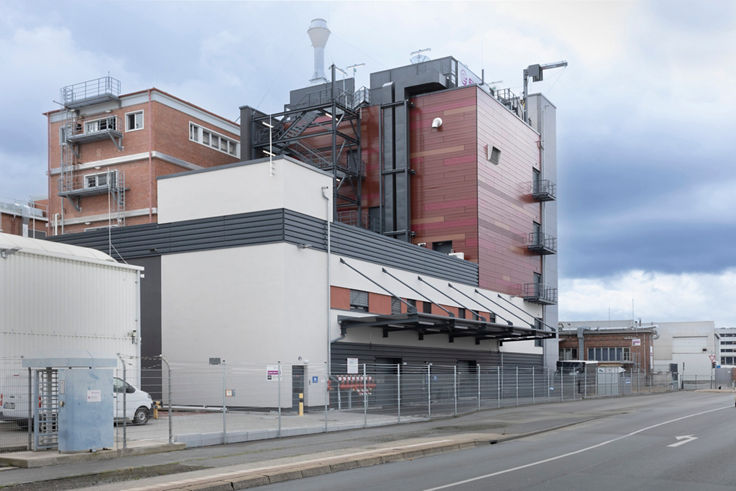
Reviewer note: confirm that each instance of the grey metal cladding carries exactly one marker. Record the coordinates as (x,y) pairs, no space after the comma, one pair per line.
(419,355)
(369,246)
(271,226)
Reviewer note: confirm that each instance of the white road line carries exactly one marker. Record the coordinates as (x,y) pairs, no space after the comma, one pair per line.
(683,439)
(562,456)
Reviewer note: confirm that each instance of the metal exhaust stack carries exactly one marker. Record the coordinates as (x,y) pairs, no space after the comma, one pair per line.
(318,34)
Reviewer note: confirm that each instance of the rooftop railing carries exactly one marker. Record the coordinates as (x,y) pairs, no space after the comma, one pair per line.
(99,88)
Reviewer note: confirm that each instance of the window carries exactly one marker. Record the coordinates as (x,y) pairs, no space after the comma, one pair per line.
(101,179)
(609,354)
(213,140)
(537,238)
(461,313)
(359,300)
(412,306)
(445,246)
(104,124)
(538,343)
(494,155)
(134,121)
(567,353)
(395,305)
(426,307)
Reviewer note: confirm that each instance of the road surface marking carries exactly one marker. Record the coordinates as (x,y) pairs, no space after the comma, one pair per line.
(683,439)
(562,456)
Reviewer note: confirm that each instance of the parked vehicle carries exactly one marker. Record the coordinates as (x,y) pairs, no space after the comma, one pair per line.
(138,403)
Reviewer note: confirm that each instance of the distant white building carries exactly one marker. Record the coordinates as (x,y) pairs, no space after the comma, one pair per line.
(689,345)
(726,346)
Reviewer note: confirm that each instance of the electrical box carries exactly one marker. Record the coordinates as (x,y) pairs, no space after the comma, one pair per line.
(85,409)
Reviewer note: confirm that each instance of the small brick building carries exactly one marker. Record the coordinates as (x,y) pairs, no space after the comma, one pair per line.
(629,347)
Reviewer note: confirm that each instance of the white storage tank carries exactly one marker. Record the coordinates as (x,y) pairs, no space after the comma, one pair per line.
(64,301)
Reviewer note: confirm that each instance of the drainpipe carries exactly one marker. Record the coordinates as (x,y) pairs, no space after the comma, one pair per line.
(326,196)
(149,124)
(581,343)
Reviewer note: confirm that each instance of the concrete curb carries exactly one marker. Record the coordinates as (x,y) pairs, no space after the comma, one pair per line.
(244,479)
(30,460)
(325,465)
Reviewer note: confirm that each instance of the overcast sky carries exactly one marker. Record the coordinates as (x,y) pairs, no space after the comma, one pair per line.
(647,184)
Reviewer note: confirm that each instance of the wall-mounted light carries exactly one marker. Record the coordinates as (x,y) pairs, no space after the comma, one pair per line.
(436,122)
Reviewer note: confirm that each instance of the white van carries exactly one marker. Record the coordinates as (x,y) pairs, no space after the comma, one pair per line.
(14,405)
(138,403)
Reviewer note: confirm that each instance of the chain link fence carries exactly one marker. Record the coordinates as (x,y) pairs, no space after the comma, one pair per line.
(227,402)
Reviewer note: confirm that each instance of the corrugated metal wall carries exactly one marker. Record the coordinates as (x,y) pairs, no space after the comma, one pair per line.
(58,307)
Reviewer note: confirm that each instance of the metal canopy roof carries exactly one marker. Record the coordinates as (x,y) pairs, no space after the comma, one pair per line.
(453,327)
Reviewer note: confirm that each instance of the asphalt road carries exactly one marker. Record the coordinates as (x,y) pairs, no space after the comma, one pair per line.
(676,442)
(620,457)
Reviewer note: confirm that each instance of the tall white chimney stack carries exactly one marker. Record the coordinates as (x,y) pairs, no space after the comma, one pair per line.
(318,34)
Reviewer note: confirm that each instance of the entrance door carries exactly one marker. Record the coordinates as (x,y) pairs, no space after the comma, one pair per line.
(297,385)
(467,379)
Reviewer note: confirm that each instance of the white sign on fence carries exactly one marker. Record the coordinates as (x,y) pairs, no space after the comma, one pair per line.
(272,372)
(352,365)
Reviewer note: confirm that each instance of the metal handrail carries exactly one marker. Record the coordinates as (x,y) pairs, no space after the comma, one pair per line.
(543,187)
(541,240)
(90,88)
(539,291)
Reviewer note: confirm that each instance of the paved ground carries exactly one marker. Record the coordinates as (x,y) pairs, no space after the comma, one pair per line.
(334,451)
(677,443)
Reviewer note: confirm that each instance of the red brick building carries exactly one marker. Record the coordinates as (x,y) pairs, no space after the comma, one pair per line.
(629,347)
(25,218)
(106,151)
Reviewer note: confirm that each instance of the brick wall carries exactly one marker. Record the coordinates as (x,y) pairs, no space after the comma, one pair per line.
(165,129)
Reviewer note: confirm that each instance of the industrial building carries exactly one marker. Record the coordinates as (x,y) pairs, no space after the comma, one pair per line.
(687,348)
(24,218)
(412,221)
(106,150)
(622,344)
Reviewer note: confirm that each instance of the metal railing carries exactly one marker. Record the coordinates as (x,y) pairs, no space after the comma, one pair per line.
(103,86)
(539,292)
(543,190)
(541,242)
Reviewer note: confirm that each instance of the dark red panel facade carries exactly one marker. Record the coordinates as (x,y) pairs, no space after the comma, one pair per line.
(506,215)
(457,193)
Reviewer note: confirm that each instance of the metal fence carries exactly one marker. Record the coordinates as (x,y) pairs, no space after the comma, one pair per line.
(224,402)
